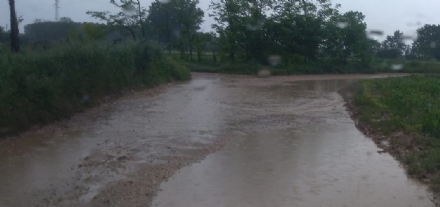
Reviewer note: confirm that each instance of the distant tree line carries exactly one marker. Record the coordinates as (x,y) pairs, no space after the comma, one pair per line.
(425,45)
(245,30)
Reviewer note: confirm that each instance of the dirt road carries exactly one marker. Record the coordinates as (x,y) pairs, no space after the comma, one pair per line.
(279,141)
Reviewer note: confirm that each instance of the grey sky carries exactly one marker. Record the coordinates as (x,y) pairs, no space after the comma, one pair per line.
(385,15)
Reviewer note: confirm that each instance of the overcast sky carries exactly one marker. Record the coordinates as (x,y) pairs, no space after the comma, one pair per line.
(385,15)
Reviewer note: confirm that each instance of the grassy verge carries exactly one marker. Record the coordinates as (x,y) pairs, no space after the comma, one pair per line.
(402,115)
(38,87)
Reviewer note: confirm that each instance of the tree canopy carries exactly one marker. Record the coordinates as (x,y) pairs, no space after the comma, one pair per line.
(302,31)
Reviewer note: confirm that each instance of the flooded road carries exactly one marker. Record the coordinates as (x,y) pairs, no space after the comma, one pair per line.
(280,141)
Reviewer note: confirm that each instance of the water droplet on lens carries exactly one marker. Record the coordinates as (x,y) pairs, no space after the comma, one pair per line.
(374,33)
(164,1)
(433,45)
(397,67)
(407,39)
(264,73)
(255,26)
(176,33)
(85,98)
(129,9)
(274,60)
(342,25)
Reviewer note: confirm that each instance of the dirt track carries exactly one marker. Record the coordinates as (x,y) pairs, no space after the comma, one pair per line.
(287,138)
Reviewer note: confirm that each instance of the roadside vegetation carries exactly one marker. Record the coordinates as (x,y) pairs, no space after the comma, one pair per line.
(404,112)
(38,87)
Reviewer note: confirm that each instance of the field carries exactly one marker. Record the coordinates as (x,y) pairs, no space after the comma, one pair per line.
(403,116)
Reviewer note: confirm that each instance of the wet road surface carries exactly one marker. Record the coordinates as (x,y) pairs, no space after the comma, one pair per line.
(281,141)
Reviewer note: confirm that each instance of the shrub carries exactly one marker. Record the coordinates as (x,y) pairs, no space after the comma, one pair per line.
(40,87)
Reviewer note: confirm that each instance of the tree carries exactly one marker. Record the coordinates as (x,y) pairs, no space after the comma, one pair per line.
(427,45)
(176,23)
(202,40)
(347,42)
(164,22)
(3,35)
(375,47)
(51,31)
(392,47)
(130,20)
(227,14)
(15,42)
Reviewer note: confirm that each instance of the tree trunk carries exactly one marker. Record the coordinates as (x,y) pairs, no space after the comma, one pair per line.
(141,21)
(213,56)
(15,42)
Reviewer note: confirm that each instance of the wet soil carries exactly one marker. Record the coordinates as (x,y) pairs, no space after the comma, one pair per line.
(278,141)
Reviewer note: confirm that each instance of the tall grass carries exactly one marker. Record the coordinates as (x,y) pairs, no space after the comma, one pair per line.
(410,105)
(37,87)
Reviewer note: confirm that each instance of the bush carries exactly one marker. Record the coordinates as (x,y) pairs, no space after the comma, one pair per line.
(40,87)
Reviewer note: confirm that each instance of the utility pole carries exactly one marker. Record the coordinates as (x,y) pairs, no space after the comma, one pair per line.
(15,43)
(57,10)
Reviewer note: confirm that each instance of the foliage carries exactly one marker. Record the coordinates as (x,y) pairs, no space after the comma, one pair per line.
(40,30)
(38,87)
(392,47)
(301,30)
(130,20)
(427,45)
(4,36)
(176,23)
(410,105)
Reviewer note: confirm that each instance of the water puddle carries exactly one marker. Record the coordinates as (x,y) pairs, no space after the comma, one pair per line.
(300,148)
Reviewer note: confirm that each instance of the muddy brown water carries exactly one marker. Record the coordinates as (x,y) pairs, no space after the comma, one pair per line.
(288,142)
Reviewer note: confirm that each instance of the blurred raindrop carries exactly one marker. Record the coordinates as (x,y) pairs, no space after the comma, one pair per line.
(397,67)
(199,87)
(342,25)
(414,24)
(85,98)
(255,25)
(274,60)
(433,45)
(264,73)
(164,1)
(407,39)
(176,33)
(374,33)
(129,9)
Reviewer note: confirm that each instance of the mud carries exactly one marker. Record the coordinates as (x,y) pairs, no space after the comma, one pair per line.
(278,141)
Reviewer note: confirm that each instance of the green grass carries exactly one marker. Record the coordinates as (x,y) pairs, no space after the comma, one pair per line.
(410,105)
(38,87)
